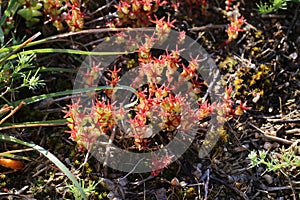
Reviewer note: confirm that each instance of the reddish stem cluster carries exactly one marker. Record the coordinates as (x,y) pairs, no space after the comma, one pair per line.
(235,27)
(73,17)
(156,104)
(163,28)
(236,22)
(228,4)
(88,123)
(137,13)
(52,9)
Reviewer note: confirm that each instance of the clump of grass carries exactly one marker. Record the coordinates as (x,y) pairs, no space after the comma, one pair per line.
(273,6)
(286,160)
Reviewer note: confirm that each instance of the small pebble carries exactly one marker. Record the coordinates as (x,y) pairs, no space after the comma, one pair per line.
(293,56)
(273,133)
(257,135)
(275,145)
(175,182)
(268,178)
(256,98)
(260,170)
(267,146)
(183,184)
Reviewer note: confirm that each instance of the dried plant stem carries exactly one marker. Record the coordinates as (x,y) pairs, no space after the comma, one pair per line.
(107,152)
(12,112)
(273,138)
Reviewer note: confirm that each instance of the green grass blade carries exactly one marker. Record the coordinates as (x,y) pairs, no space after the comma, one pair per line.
(1,36)
(58,69)
(5,56)
(13,156)
(70,92)
(64,35)
(69,51)
(50,156)
(56,122)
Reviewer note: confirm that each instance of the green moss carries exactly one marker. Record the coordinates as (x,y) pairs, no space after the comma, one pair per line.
(3,184)
(103,195)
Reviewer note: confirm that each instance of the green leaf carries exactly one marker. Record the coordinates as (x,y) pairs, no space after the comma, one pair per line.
(12,6)
(50,156)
